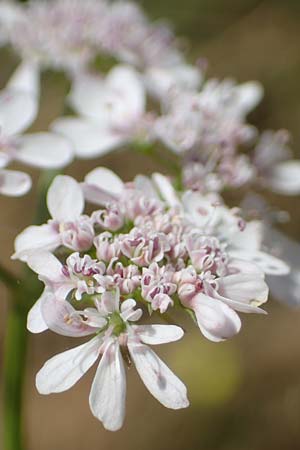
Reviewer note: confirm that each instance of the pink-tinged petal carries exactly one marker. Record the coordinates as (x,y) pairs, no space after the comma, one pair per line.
(35,320)
(65,199)
(62,371)
(46,264)
(160,381)
(244,267)
(108,392)
(62,318)
(158,334)
(44,150)
(216,320)
(33,238)
(285,178)
(166,189)
(14,183)
(128,83)
(198,208)
(89,139)
(26,78)
(17,111)
(105,179)
(244,289)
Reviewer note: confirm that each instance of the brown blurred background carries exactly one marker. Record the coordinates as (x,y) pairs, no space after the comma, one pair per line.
(245,394)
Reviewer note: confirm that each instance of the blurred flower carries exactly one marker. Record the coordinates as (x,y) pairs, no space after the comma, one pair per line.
(18,109)
(276,169)
(112,110)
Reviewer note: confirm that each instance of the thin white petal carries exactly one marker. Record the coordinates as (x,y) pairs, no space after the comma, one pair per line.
(17,111)
(46,264)
(65,199)
(158,334)
(34,238)
(244,288)
(166,189)
(127,81)
(108,392)
(26,78)
(64,370)
(161,382)
(14,183)
(105,179)
(89,139)
(44,150)
(35,320)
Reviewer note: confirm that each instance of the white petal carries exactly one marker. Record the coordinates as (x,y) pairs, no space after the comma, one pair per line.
(62,318)
(89,139)
(199,209)
(108,392)
(158,334)
(17,111)
(166,189)
(248,96)
(96,195)
(285,178)
(64,370)
(144,184)
(26,78)
(33,238)
(65,199)
(250,238)
(87,95)
(215,319)
(14,183)
(105,179)
(161,382)
(44,150)
(46,264)
(35,320)
(269,264)
(159,80)
(244,288)
(127,81)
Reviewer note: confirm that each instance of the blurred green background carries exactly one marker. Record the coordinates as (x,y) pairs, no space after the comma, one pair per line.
(245,394)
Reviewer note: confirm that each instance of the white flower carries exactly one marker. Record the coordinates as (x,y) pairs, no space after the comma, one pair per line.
(112,112)
(67,227)
(277,171)
(18,109)
(112,323)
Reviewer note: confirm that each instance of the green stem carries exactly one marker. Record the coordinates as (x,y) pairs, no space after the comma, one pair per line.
(24,294)
(14,369)
(8,278)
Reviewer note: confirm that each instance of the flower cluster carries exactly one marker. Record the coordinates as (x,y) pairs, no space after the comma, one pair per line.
(147,251)
(203,121)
